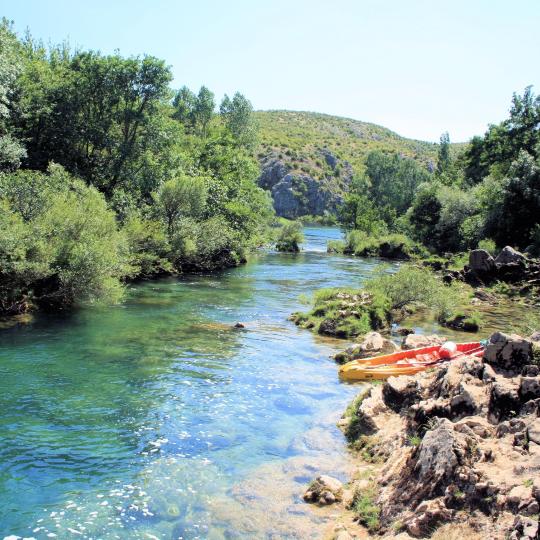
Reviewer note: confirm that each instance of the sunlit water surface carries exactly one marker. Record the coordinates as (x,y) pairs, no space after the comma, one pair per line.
(157,419)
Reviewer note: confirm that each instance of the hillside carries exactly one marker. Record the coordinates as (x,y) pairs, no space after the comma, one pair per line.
(308,159)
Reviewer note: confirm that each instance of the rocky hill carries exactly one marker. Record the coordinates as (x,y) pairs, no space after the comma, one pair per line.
(309,159)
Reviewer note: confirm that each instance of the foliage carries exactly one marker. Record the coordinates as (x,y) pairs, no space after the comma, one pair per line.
(393,180)
(65,251)
(290,237)
(350,312)
(443,154)
(390,246)
(488,245)
(365,507)
(11,150)
(414,285)
(238,118)
(120,177)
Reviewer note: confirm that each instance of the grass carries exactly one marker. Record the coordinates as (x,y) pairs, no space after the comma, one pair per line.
(391,246)
(366,509)
(414,440)
(528,483)
(344,313)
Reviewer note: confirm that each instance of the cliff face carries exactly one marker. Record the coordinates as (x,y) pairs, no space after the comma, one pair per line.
(298,194)
(308,159)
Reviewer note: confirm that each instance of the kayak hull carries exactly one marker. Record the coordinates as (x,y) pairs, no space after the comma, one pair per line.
(403,362)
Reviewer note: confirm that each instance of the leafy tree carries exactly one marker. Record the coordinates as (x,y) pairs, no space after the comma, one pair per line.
(394,179)
(424,213)
(443,155)
(359,213)
(502,143)
(184,104)
(239,120)
(11,150)
(204,110)
(98,116)
(514,220)
(183,196)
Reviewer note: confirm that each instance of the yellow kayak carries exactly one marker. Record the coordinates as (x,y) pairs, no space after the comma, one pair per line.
(406,362)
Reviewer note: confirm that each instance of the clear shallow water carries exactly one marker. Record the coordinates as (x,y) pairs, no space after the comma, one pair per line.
(156,419)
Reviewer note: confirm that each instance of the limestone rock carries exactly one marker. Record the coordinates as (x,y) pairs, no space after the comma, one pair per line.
(504,400)
(400,392)
(426,517)
(508,352)
(372,344)
(533,431)
(324,490)
(415,341)
(481,262)
(529,388)
(509,255)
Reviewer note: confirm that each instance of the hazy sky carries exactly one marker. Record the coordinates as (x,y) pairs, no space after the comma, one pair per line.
(417,67)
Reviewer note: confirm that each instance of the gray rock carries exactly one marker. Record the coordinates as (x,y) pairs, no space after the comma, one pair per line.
(510,353)
(529,388)
(480,261)
(509,255)
(324,490)
(504,400)
(400,392)
(533,431)
(415,341)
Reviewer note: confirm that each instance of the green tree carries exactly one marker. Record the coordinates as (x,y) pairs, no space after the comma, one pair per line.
(184,104)
(238,116)
(184,196)
(204,110)
(394,179)
(443,153)
(11,150)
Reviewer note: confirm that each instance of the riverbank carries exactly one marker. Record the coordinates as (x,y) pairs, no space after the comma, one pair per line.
(449,453)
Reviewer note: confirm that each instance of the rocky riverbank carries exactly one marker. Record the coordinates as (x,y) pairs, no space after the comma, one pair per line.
(451,452)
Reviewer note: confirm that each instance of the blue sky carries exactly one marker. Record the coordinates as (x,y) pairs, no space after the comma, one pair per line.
(417,67)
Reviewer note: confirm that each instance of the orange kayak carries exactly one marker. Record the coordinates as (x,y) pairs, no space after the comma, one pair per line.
(405,362)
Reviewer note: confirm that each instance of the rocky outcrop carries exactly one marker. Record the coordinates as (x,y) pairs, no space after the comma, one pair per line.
(509,266)
(372,344)
(464,442)
(296,193)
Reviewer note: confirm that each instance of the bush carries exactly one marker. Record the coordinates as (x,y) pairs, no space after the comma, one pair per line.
(488,245)
(64,249)
(415,285)
(390,246)
(290,237)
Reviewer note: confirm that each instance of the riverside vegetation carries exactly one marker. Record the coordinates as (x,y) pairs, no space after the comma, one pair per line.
(107,174)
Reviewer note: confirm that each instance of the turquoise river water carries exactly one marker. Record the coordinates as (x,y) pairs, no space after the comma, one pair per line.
(156,419)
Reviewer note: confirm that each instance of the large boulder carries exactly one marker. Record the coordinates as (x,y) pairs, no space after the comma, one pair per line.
(509,255)
(481,262)
(508,352)
(415,341)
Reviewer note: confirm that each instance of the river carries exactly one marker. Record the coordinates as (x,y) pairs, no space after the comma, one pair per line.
(156,419)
